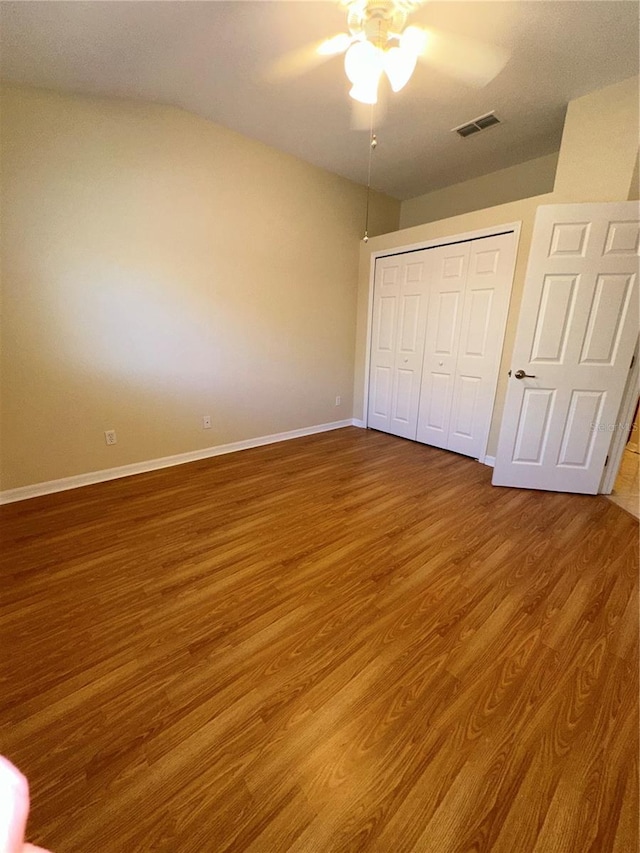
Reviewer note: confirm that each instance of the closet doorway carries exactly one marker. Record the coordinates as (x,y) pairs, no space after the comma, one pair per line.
(439,315)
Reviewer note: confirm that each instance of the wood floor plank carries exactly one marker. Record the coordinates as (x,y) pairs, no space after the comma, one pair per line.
(346,642)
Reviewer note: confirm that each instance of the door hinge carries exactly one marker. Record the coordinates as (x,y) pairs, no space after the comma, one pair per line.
(606,462)
(633,361)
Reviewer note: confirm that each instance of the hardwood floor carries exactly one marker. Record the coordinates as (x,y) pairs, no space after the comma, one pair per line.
(346,642)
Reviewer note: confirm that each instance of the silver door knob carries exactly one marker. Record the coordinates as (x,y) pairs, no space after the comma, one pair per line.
(406,360)
(520,374)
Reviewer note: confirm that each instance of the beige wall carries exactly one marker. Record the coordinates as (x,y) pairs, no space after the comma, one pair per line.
(634,189)
(614,107)
(534,177)
(158,268)
(599,145)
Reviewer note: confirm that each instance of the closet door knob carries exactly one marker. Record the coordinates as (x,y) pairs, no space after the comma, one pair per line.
(440,363)
(406,360)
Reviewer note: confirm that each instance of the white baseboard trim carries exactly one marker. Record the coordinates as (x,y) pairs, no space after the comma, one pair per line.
(490,461)
(358,423)
(38,489)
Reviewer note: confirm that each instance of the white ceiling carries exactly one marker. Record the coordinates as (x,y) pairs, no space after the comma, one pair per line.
(215,58)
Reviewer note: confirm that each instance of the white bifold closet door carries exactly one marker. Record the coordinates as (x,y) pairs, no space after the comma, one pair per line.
(469,301)
(438,326)
(399,317)
(448,281)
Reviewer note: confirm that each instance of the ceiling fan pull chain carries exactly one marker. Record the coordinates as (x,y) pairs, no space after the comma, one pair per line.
(373,142)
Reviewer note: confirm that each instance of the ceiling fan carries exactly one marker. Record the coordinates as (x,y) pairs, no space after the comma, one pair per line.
(379,43)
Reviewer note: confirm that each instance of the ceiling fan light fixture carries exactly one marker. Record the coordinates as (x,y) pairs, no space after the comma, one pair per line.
(378,44)
(399,65)
(365,91)
(362,62)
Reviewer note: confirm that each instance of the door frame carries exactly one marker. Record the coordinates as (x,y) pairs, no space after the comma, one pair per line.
(465,237)
(619,436)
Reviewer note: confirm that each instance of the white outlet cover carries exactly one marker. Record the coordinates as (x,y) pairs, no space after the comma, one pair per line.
(206,422)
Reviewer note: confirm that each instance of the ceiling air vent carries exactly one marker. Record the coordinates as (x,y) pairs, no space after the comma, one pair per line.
(477,125)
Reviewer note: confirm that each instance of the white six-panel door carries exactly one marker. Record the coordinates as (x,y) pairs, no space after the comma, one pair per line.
(448,280)
(383,341)
(576,334)
(438,325)
(469,301)
(484,320)
(399,316)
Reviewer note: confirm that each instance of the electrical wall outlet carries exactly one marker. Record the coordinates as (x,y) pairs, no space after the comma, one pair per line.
(110,436)
(338,401)
(206,422)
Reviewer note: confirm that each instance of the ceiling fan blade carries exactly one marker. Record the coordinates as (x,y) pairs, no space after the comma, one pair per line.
(471,61)
(298,62)
(335,45)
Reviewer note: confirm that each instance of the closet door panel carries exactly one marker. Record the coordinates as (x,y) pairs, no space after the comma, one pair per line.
(435,411)
(383,341)
(386,324)
(411,328)
(400,310)
(486,303)
(380,406)
(465,409)
(447,292)
(402,398)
